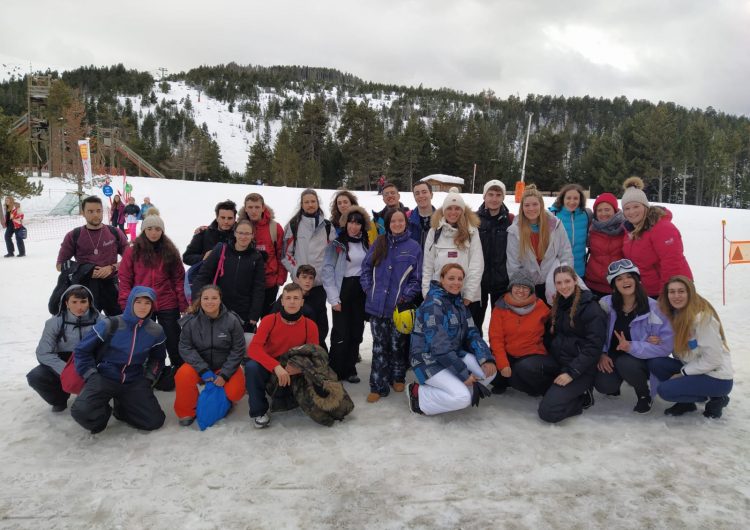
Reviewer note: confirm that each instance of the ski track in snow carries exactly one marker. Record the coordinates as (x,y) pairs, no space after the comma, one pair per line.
(383,467)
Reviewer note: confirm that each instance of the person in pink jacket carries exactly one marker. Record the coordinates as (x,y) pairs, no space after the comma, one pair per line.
(154,261)
(653,243)
(605,243)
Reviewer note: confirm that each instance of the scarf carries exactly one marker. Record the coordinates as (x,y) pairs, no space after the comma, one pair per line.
(523,307)
(291,318)
(610,227)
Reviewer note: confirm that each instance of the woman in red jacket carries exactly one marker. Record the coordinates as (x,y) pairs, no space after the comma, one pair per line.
(653,243)
(605,243)
(154,261)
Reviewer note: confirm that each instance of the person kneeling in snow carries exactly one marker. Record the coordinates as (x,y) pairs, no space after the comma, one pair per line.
(450,359)
(276,335)
(120,359)
(61,335)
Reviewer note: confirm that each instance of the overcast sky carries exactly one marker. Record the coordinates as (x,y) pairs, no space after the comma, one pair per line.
(693,52)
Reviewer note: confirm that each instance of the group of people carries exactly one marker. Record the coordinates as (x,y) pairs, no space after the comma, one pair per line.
(126,216)
(580,300)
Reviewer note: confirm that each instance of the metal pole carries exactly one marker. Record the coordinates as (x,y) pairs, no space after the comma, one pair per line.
(474,178)
(723,262)
(526,148)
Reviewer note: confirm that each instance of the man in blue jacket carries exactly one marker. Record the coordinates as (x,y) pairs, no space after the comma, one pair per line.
(120,359)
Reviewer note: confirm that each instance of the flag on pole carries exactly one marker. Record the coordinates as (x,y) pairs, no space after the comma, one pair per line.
(84,148)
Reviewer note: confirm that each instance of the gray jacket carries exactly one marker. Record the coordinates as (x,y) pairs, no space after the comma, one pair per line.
(62,333)
(210,344)
(558,251)
(309,246)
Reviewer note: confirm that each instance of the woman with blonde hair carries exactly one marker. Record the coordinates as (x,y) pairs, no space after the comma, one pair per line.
(701,368)
(454,238)
(537,241)
(575,337)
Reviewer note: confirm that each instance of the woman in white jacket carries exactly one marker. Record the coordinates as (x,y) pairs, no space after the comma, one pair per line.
(454,238)
(537,242)
(701,369)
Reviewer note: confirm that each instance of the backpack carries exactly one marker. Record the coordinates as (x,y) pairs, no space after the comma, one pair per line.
(70,380)
(71,272)
(113,230)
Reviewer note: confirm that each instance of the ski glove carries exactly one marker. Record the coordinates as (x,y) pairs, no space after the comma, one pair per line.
(208,376)
(480,392)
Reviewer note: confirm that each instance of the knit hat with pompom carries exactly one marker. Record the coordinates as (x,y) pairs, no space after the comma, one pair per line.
(634,192)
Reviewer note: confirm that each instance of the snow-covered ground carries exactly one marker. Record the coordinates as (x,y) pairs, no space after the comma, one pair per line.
(495,466)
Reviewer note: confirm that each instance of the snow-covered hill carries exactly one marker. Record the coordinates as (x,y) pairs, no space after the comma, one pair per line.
(495,466)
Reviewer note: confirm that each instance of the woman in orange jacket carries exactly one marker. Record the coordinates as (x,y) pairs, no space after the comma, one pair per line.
(516,333)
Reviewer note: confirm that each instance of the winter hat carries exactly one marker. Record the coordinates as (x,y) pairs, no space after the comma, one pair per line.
(634,192)
(620,267)
(608,198)
(493,184)
(454,199)
(521,277)
(152,211)
(150,221)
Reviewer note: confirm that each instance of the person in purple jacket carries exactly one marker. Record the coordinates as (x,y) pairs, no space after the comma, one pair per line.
(391,276)
(637,332)
(98,245)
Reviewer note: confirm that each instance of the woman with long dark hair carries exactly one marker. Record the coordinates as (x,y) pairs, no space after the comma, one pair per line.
(154,261)
(340,203)
(117,213)
(637,333)
(342,268)
(391,277)
(702,367)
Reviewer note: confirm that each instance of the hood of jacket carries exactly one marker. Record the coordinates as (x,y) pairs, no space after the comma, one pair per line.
(92,310)
(138,291)
(437,291)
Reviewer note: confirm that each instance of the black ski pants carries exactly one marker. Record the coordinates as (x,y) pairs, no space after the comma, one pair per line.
(560,402)
(47,384)
(348,328)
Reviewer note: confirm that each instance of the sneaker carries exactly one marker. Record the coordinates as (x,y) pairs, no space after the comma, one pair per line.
(353,378)
(643,406)
(412,395)
(715,406)
(399,387)
(261,422)
(187,421)
(678,409)
(588,399)
(59,408)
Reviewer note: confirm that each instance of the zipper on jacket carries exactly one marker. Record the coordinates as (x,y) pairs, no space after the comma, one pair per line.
(132,347)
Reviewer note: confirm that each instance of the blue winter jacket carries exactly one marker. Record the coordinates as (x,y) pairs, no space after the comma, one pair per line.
(396,279)
(444,333)
(136,348)
(643,326)
(415,227)
(577,227)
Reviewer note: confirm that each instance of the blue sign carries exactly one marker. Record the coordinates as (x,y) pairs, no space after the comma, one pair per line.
(107,190)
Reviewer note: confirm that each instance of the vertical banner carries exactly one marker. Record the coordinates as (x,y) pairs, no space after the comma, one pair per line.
(84,148)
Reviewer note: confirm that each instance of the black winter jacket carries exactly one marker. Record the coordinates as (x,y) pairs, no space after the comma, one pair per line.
(577,349)
(204,241)
(493,233)
(242,283)
(213,343)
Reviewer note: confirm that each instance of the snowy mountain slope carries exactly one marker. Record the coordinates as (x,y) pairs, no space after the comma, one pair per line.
(497,465)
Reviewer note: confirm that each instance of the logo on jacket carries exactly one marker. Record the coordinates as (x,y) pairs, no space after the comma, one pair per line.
(453,253)
(669,241)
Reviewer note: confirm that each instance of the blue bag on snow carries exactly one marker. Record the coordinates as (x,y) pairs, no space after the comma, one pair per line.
(213,405)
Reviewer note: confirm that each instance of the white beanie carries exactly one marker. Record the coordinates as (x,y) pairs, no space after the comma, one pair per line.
(634,192)
(493,184)
(150,221)
(454,199)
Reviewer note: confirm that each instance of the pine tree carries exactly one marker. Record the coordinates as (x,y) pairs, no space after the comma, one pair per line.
(11,157)
(362,143)
(259,162)
(285,166)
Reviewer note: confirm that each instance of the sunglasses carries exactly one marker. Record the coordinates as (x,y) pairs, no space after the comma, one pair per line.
(620,264)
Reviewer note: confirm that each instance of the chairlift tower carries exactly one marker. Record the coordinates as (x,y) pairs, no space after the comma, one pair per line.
(38,122)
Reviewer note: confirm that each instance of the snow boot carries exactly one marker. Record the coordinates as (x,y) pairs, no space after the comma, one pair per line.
(678,409)
(715,406)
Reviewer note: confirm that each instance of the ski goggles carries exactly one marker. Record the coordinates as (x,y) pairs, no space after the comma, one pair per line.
(621,266)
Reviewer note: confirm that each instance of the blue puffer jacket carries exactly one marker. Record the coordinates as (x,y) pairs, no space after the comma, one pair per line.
(397,279)
(444,333)
(136,348)
(641,328)
(577,227)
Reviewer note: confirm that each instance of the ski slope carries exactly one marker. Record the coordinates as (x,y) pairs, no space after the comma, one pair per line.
(493,466)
